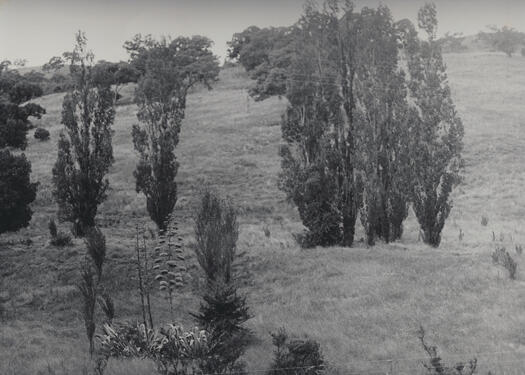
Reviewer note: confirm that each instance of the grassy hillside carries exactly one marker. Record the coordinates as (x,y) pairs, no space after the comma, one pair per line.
(364,305)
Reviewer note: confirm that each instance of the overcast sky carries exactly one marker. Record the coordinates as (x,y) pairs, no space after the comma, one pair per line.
(39,29)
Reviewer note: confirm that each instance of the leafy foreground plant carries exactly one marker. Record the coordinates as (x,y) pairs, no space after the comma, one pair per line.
(171,348)
(295,356)
(435,365)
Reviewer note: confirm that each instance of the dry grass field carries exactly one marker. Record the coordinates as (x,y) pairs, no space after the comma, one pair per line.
(364,305)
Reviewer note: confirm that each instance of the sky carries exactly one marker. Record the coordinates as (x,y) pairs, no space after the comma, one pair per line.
(36,30)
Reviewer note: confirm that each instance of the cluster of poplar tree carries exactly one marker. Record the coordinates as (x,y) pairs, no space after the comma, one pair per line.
(164,71)
(370,126)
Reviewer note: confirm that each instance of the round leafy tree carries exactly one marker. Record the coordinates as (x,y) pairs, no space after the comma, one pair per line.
(16,191)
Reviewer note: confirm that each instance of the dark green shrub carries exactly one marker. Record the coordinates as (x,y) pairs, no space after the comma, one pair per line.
(41,134)
(16,191)
(14,123)
(23,91)
(13,133)
(295,356)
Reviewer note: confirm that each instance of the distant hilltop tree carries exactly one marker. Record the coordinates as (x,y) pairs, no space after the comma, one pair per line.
(55,63)
(107,73)
(505,39)
(265,55)
(104,73)
(452,42)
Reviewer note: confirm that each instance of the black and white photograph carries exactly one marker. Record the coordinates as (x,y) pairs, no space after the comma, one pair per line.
(262,187)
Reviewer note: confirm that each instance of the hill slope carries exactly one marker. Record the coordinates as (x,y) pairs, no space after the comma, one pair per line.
(363,305)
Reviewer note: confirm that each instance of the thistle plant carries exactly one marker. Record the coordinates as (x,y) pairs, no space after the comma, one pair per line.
(163,267)
(169,266)
(144,271)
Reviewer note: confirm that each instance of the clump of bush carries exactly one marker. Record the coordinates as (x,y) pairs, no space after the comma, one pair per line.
(484,221)
(17,191)
(41,134)
(58,238)
(295,356)
(435,365)
(501,257)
